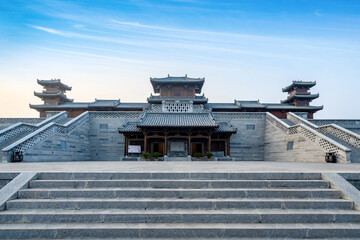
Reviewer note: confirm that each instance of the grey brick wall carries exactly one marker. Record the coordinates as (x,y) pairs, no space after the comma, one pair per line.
(276,142)
(52,149)
(246,144)
(106,144)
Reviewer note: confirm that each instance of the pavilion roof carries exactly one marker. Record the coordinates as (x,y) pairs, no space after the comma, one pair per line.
(299,83)
(158,99)
(171,80)
(300,96)
(59,95)
(177,120)
(54,82)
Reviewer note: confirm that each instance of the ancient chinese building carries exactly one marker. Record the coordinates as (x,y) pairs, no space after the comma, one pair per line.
(177,88)
(176,122)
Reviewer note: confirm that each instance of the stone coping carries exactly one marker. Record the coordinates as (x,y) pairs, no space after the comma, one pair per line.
(172,166)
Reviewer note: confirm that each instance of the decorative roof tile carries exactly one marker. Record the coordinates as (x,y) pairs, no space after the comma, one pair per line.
(58,95)
(104,103)
(225,127)
(300,96)
(129,127)
(299,83)
(54,82)
(177,120)
(170,80)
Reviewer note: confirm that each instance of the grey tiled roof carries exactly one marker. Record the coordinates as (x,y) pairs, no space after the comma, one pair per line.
(221,105)
(53,82)
(177,79)
(129,127)
(132,105)
(294,96)
(177,120)
(249,104)
(199,82)
(58,94)
(225,127)
(61,106)
(104,103)
(292,107)
(299,83)
(158,99)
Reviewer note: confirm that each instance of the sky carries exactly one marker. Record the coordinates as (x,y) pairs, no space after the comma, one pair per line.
(245,49)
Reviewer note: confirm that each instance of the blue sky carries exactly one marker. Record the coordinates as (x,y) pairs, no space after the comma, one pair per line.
(246,50)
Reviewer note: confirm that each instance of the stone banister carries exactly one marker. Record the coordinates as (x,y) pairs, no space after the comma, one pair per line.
(337,131)
(327,144)
(21,127)
(41,134)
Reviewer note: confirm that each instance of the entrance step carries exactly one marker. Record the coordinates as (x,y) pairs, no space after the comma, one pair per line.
(179,205)
(177,159)
(180,230)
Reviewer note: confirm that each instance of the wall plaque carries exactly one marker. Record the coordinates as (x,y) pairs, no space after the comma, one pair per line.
(177,146)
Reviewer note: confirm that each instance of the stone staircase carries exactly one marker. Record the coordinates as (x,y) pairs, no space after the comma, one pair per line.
(355,152)
(179,205)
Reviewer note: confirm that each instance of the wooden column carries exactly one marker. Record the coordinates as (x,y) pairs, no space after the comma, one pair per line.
(189,144)
(228,146)
(145,142)
(126,145)
(165,144)
(209,142)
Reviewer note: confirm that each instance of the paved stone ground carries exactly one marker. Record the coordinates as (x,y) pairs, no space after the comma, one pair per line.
(205,166)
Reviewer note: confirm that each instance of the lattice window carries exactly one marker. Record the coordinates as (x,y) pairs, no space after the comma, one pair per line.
(179,107)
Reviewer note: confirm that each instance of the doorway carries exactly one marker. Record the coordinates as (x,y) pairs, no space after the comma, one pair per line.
(157,147)
(197,148)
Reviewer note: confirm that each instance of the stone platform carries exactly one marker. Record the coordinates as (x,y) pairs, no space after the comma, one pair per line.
(179,200)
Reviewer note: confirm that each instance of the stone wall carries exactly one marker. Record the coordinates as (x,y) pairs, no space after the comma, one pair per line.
(107,144)
(248,142)
(74,146)
(303,150)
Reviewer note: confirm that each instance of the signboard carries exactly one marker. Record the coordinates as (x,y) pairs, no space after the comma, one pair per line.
(177,146)
(134,149)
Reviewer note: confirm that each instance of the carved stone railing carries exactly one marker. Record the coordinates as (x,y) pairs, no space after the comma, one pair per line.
(43,133)
(11,121)
(21,127)
(339,132)
(339,122)
(327,144)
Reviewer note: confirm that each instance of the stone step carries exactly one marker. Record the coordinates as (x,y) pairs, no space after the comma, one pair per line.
(172,203)
(178,175)
(180,216)
(178,230)
(177,193)
(166,183)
